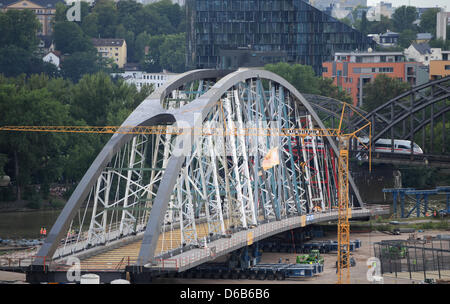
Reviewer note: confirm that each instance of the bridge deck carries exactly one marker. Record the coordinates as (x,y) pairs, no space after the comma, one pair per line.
(119,258)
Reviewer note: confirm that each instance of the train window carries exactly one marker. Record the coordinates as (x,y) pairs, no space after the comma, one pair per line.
(403,147)
(378,145)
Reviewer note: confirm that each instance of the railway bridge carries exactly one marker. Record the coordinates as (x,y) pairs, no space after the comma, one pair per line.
(169,201)
(420,115)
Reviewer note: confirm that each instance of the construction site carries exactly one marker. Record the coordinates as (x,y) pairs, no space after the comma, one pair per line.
(234,177)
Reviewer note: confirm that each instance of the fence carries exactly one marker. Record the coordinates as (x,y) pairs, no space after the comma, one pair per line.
(428,258)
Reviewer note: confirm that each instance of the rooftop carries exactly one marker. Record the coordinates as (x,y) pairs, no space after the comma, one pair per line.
(107,42)
(43,3)
(424,36)
(367,53)
(422,48)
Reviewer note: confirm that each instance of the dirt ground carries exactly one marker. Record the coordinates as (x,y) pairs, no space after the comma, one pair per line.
(358,274)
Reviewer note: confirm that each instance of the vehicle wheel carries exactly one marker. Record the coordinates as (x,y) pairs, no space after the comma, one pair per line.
(226,275)
(280,276)
(270,276)
(198,275)
(252,275)
(234,275)
(261,276)
(243,275)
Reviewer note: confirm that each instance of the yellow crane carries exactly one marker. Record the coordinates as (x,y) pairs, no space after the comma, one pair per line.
(344,139)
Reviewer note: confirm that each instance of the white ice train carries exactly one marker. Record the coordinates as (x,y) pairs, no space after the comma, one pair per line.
(385,145)
(381,145)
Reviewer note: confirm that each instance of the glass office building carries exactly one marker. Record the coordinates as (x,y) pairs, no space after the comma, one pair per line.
(228,34)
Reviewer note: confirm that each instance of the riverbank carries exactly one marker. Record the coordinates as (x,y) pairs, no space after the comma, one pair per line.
(52,203)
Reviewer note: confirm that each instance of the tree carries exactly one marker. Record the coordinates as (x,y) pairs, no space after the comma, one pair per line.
(35,156)
(15,61)
(377,27)
(428,21)
(151,61)
(406,38)
(364,25)
(80,63)
(172,53)
(302,77)
(107,18)
(381,90)
(69,38)
(439,43)
(19,28)
(403,18)
(90,25)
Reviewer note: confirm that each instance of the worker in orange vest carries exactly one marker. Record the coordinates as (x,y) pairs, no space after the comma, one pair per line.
(44,232)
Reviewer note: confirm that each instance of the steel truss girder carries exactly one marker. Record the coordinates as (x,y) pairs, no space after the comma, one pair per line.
(230,89)
(150,112)
(178,170)
(404,108)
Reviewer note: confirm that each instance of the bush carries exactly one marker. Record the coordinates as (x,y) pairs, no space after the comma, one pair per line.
(7,194)
(35,201)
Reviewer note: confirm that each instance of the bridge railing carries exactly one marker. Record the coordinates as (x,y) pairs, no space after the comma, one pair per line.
(241,238)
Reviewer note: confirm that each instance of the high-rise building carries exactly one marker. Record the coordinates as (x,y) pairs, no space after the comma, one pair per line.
(441,25)
(228,34)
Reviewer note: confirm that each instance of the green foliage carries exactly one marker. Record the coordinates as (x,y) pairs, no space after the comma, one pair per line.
(129,19)
(439,43)
(418,177)
(381,90)
(18,28)
(406,38)
(18,43)
(378,27)
(3,160)
(303,78)
(46,158)
(403,18)
(428,21)
(15,61)
(80,63)
(34,201)
(172,51)
(69,38)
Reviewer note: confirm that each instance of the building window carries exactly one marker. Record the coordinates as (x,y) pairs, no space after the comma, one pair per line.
(325,69)
(447,67)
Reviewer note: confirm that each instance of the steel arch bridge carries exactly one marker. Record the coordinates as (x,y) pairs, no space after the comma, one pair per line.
(160,198)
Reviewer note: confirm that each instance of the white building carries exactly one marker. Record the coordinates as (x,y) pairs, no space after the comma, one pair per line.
(179,2)
(381,9)
(52,58)
(324,4)
(423,53)
(139,78)
(441,25)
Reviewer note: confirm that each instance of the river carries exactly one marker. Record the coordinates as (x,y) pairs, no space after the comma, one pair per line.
(26,225)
